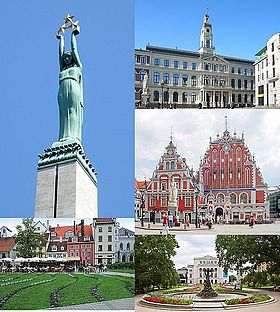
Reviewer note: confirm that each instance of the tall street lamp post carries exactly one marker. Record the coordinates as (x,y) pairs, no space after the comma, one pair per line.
(143,199)
(196,192)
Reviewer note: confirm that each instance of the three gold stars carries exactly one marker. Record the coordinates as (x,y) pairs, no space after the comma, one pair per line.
(68,19)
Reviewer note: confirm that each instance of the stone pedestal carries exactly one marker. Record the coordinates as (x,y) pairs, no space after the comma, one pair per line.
(145,99)
(173,207)
(66,184)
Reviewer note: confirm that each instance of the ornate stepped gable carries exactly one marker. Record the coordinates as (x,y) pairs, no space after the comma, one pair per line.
(171,166)
(232,180)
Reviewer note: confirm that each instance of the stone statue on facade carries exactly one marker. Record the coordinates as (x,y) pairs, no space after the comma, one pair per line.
(173,192)
(70,93)
(145,84)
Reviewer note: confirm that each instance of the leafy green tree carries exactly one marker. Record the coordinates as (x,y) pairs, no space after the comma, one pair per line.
(247,252)
(28,239)
(154,267)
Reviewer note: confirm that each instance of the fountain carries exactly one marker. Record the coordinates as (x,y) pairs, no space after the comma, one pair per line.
(207,292)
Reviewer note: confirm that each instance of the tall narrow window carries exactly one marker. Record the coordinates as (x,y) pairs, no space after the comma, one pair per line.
(142,74)
(166,78)
(176,79)
(175,97)
(156,77)
(156,96)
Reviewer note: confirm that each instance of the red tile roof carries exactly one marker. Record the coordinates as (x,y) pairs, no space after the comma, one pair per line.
(6,244)
(104,220)
(61,230)
(140,184)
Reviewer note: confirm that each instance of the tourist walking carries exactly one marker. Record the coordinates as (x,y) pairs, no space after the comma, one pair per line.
(170,220)
(251,223)
(165,222)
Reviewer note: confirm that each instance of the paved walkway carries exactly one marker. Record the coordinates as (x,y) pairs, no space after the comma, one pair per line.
(271,307)
(121,304)
(261,229)
(118,274)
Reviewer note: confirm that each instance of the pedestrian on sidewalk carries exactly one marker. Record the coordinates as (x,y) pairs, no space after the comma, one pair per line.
(170,220)
(188,222)
(165,222)
(252,222)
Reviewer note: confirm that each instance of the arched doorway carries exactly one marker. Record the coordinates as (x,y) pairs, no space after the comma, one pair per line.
(219,212)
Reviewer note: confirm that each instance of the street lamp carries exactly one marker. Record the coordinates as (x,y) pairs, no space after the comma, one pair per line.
(196,192)
(143,195)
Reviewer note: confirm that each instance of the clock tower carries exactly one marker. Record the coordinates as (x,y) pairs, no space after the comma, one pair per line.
(206,36)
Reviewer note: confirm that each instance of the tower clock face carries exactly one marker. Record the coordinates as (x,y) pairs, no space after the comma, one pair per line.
(170,152)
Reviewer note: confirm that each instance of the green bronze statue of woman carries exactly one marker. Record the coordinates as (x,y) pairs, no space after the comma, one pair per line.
(70,93)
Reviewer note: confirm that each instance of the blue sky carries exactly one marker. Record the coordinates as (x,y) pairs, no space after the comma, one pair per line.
(240,28)
(29,109)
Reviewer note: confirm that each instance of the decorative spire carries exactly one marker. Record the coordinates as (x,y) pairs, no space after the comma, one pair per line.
(226,123)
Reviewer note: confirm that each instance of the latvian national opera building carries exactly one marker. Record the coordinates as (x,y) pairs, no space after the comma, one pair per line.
(233,184)
(228,183)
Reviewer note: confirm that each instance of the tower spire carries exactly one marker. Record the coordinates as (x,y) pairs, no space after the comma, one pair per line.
(206,36)
(226,123)
(171,134)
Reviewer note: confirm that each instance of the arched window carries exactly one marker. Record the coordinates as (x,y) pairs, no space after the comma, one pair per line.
(233,198)
(185,97)
(193,97)
(239,98)
(252,98)
(207,43)
(156,77)
(142,74)
(233,98)
(156,96)
(193,79)
(167,166)
(247,176)
(124,258)
(166,78)
(206,177)
(131,258)
(121,246)
(245,98)
(176,79)
(175,97)
(166,96)
(128,246)
(172,165)
(221,198)
(244,198)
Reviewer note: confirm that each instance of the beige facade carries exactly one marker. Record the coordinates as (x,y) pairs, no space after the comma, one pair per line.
(105,230)
(193,273)
(180,78)
(267,69)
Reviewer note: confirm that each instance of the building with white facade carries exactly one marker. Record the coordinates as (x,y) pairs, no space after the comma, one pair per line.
(193,273)
(105,232)
(181,78)
(125,245)
(5,232)
(267,71)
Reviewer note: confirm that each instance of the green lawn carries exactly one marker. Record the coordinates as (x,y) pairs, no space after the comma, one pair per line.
(77,290)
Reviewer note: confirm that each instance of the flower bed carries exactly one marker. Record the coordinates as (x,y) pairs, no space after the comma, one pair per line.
(165,300)
(252,299)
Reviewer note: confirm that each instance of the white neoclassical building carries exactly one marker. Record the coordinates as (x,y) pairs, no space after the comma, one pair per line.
(181,78)
(194,274)
(267,69)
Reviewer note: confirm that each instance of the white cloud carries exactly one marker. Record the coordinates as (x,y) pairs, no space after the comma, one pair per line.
(192,129)
(193,246)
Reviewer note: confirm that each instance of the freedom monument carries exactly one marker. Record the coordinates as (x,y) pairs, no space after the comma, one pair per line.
(66,180)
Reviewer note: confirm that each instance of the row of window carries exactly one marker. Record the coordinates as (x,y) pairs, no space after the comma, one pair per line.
(164,201)
(109,238)
(100,248)
(175,98)
(261,77)
(261,64)
(234,198)
(122,246)
(193,97)
(193,65)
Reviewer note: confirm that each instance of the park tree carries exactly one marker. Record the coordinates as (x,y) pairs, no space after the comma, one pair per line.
(245,253)
(28,239)
(153,264)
